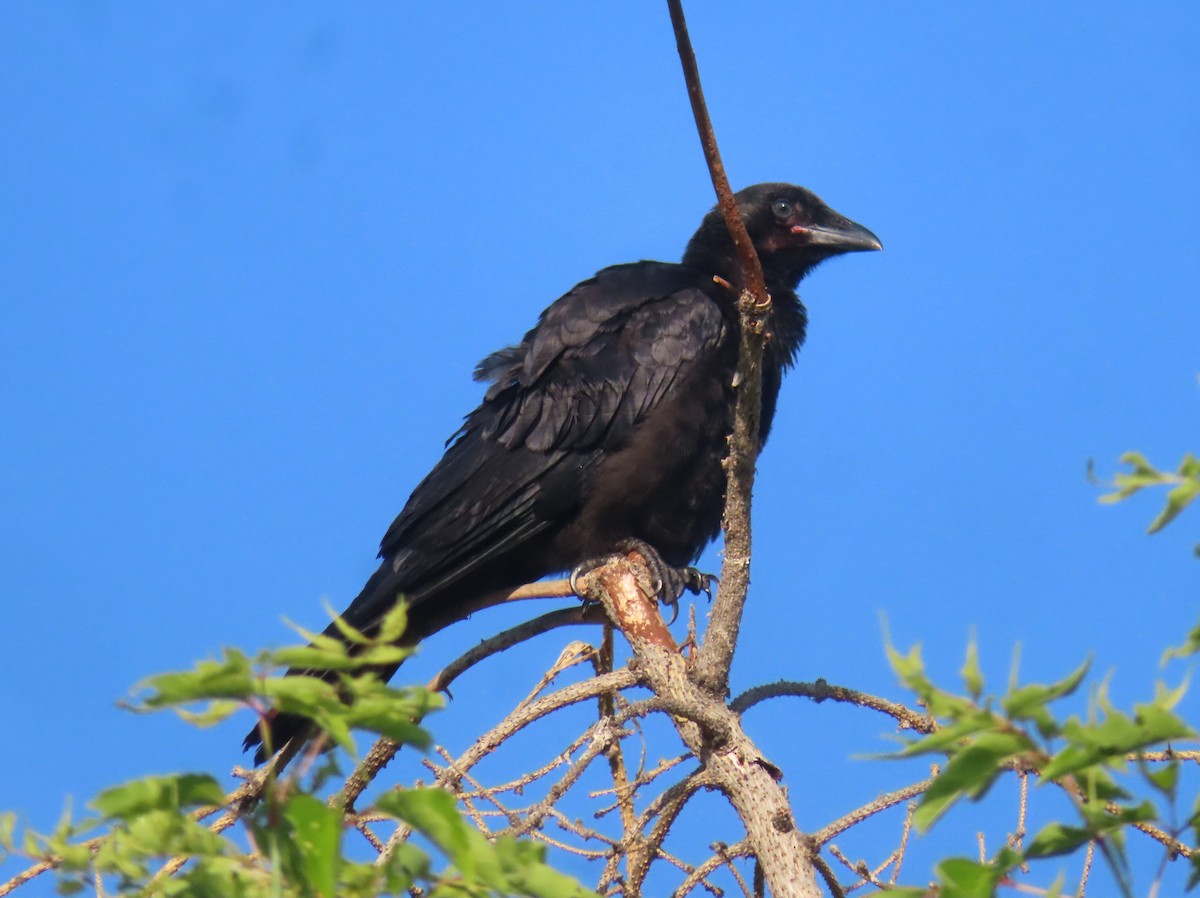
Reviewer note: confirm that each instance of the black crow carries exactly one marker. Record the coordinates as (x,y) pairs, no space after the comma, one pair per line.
(604,427)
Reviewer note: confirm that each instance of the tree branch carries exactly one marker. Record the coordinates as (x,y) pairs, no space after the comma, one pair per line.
(712,663)
(820,690)
(737,767)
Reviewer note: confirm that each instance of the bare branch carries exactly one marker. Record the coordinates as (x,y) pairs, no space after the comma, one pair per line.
(827,874)
(563,617)
(751,266)
(820,690)
(715,656)
(722,858)
(858,815)
(910,811)
(1087,869)
(605,735)
(666,808)
(518,720)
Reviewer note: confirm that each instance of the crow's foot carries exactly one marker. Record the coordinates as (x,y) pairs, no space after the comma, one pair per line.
(666,582)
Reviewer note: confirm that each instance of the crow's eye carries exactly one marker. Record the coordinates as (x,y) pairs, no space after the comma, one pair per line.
(782,209)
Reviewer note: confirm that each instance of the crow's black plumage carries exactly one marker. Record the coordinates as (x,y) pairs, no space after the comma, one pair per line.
(606,423)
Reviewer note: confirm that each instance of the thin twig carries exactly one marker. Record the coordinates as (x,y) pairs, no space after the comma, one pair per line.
(741,849)
(1087,869)
(664,810)
(606,734)
(830,879)
(858,815)
(910,811)
(384,749)
(518,720)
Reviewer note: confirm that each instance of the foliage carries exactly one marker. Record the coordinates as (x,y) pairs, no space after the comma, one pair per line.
(1119,769)
(295,838)
(1184,486)
(1106,763)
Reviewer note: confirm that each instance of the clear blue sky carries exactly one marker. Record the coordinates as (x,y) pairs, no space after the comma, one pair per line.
(251,253)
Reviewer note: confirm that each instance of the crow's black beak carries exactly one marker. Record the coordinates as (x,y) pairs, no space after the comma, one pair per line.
(844,237)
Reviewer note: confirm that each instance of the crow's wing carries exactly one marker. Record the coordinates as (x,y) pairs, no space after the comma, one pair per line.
(599,361)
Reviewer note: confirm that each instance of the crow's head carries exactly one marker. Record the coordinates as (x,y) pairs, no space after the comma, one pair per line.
(791,228)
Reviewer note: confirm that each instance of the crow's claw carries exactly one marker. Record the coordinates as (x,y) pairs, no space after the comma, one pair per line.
(579,571)
(696,582)
(666,582)
(671,582)
(674,606)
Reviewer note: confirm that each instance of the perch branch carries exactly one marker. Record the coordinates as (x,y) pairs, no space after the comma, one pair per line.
(737,767)
(715,655)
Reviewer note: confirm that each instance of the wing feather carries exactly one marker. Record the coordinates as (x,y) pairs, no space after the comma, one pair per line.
(598,362)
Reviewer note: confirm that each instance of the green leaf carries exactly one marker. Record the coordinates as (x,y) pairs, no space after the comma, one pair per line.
(1101,819)
(943,739)
(329,644)
(406,865)
(216,878)
(964,878)
(162,832)
(911,670)
(349,633)
(301,694)
(308,657)
(385,722)
(317,830)
(1056,839)
(1143,475)
(527,874)
(1177,500)
(542,881)
(1191,647)
(1056,887)
(391,712)
(384,655)
(173,792)
(1114,737)
(1024,702)
(1165,779)
(230,678)
(217,712)
(394,623)
(8,826)
(970,772)
(433,813)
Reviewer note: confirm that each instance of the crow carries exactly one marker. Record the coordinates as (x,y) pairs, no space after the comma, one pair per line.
(604,428)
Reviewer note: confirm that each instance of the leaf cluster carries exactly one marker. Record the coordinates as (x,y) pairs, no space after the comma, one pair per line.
(292,841)
(1183,484)
(1101,762)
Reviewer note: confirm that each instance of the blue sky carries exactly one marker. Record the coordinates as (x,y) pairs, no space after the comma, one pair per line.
(252,253)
